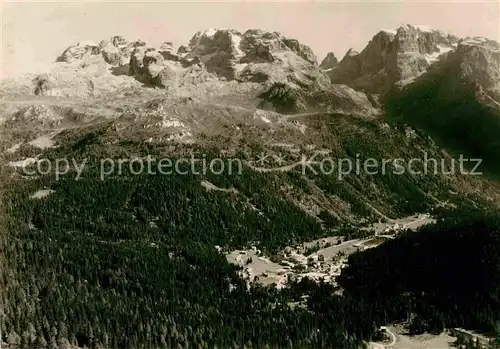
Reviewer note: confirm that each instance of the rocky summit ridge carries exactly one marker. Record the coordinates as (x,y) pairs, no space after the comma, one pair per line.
(393,58)
(396,58)
(281,69)
(225,52)
(215,62)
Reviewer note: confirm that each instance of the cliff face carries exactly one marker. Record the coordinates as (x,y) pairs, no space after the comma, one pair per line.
(228,52)
(217,59)
(392,59)
(457,99)
(329,62)
(271,64)
(224,52)
(79,51)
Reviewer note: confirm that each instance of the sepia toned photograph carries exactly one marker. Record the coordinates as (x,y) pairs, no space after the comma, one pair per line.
(250,174)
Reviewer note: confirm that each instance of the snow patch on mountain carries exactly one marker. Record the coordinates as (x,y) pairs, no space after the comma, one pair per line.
(210,32)
(236,41)
(390,31)
(431,58)
(392,58)
(87,43)
(424,28)
(474,41)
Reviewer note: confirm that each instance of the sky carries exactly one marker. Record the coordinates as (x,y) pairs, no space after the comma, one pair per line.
(35,33)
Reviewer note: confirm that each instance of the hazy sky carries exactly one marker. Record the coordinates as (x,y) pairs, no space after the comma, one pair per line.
(35,33)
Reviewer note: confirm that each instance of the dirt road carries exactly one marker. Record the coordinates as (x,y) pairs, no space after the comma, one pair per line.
(392,343)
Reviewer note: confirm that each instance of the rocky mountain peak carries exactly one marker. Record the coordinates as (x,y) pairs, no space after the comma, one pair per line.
(478,41)
(117,50)
(350,53)
(393,58)
(302,50)
(422,39)
(329,61)
(166,46)
(118,41)
(474,62)
(79,51)
(255,45)
(252,56)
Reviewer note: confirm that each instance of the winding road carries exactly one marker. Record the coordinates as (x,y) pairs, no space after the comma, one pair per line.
(393,340)
(393,336)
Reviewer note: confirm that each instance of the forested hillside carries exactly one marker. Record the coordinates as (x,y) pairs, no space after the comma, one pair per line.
(130,261)
(445,275)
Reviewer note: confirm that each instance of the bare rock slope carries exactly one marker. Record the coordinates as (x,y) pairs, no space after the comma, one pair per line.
(392,58)
(329,62)
(457,99)
(216,63)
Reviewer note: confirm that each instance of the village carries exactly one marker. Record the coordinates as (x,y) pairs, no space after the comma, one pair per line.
(321,259)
